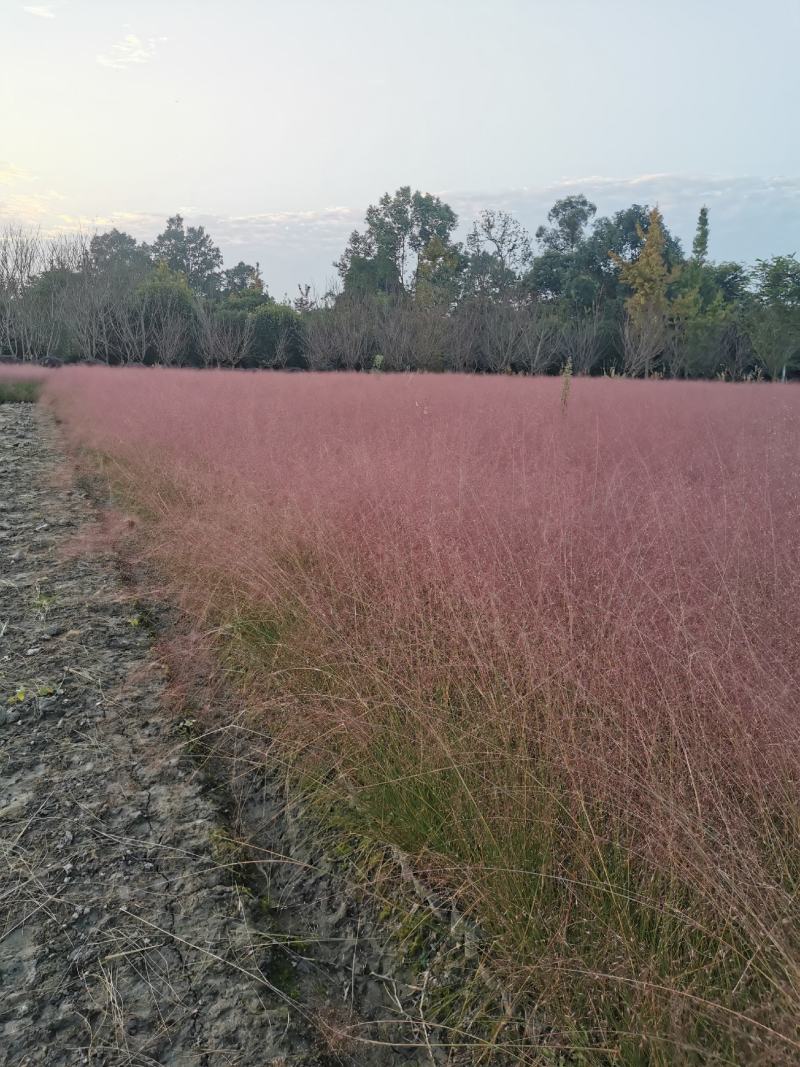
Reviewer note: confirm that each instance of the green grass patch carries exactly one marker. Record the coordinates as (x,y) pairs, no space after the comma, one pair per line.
(25,391)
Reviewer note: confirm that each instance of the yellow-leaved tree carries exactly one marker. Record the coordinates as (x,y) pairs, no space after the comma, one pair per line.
(647,309)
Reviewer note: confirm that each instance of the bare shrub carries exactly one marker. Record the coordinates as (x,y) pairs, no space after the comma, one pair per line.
(644,339)
(341,337)
(540,341)
(408,336)
(223,337)
(168,329)
(580,340)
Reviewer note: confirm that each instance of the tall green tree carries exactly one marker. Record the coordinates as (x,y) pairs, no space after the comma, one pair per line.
(384,258)
(568,220)
(774,320)
(241,277)
(118,254)
(190,251)
(700,242)
(579,255)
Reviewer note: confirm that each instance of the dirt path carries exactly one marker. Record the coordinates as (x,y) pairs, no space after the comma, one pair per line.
(122,940)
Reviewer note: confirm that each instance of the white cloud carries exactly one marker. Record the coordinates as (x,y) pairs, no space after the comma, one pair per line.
(11,175)
(142,225)
(22,200)
(130,51)
(40,11)
(289,226)
(30,209)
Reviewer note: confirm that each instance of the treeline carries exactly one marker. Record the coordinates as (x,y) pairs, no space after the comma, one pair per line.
(613,294)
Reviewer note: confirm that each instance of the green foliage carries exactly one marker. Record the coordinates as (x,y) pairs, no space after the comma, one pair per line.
(777,281)
(731,279)
(775,336)
(774,321)
(119,255)
(243,278)
(368,270)
(568,218)
(249,299)
(398,229)
(191,252)
(168,290)
(277,336)
(551,273)
(579,259)
(617,297)
(19,391)
(700,243)
(167,306)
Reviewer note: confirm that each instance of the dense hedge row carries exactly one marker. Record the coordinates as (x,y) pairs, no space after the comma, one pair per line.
(614,295)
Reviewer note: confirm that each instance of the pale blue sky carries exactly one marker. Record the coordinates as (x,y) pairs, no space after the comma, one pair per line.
(275,123)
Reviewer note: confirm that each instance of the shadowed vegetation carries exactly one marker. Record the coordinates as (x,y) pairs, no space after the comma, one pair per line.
(20,391)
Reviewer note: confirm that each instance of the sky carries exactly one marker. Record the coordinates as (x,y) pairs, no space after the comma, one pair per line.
(275,123)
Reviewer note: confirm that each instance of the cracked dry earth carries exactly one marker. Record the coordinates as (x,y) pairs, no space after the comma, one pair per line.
(122,941)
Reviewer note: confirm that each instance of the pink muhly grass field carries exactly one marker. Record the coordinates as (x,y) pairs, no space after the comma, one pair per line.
(31,372)
(550,651)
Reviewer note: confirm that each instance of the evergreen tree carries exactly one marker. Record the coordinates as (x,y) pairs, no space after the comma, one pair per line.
(700,243)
